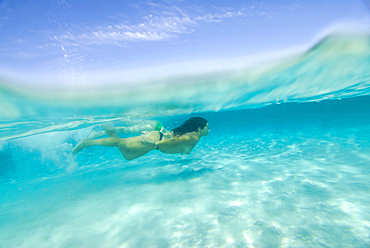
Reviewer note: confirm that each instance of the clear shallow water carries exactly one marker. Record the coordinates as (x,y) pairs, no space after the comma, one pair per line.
(286,175)
(271,177)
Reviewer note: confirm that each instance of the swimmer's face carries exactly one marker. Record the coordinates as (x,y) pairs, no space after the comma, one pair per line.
(205,130)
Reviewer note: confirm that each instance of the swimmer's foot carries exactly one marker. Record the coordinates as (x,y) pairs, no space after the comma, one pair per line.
(83,144)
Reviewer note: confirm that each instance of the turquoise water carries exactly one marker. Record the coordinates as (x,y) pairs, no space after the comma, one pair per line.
(286,163)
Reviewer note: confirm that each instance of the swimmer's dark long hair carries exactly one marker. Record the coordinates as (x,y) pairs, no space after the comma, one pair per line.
(190,125)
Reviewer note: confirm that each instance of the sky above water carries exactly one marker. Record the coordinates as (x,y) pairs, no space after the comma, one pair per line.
(79,37)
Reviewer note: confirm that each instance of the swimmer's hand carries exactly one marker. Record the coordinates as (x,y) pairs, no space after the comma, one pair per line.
(147,143)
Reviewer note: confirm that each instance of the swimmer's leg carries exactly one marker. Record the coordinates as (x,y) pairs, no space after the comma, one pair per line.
(134,147)
(109,130)
(130,148)
(130,155)
(112,141)
(144,127)
(137,129)
(95,134)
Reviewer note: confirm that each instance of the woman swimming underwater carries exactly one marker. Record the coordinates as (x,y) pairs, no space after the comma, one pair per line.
(181,139)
